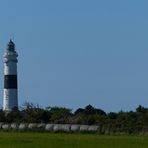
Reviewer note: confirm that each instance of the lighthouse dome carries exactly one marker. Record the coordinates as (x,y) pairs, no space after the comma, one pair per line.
(11,46)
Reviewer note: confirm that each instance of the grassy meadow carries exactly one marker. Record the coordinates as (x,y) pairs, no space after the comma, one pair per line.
(55,140)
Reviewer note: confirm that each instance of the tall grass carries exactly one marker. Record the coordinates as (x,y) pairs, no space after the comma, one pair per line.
(52,140)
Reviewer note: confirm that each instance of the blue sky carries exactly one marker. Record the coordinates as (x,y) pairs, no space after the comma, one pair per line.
(75,53)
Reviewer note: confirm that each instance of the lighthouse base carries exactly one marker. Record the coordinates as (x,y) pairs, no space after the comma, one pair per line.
(10,99)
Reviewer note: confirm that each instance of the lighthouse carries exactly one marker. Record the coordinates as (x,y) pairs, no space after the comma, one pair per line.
(10,93)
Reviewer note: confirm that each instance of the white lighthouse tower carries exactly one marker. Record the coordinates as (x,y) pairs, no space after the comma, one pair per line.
(10,98)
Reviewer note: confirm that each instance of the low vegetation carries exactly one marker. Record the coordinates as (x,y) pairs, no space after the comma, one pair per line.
(132,122)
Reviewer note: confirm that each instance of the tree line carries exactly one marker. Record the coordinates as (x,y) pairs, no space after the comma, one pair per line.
(129,122)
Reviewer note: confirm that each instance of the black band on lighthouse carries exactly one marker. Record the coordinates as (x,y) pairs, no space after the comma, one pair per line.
(10,81)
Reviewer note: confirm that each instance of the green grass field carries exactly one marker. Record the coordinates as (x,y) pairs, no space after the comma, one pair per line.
(51,140)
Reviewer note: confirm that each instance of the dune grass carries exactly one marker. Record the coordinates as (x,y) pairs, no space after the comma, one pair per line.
(55,140)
